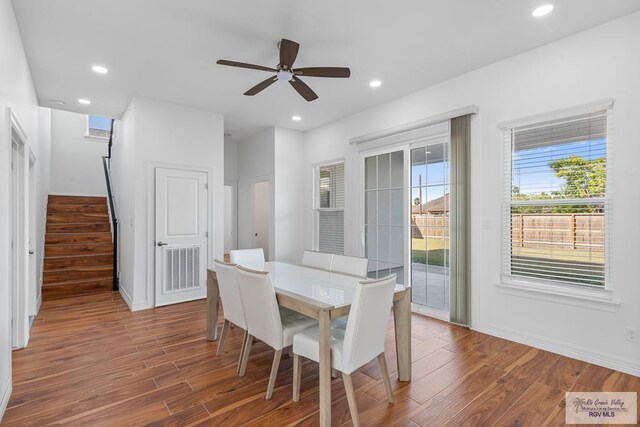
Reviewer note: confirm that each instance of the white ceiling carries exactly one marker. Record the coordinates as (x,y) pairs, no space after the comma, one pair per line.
(166,49)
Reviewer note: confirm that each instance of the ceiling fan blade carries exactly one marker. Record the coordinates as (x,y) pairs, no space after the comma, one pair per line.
(302,88)
(323,72)
(288,53)
(243,65)
(261,86)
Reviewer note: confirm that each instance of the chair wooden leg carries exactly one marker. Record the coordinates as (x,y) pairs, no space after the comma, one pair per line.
(274,373)
(297,377)
(244,343)
(351,399)
(223,335)
(382,361)
(245,355)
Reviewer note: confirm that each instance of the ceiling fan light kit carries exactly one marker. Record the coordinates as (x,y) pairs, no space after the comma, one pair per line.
(284,71)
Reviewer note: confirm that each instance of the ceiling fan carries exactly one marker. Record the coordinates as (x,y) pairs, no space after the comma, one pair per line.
(285,71)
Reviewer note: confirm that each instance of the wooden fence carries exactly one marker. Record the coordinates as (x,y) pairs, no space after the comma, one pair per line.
(571,231)
(424,226)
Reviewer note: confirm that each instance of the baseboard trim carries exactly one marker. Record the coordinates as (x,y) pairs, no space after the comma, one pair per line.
(137,306)
(575,352)
(4,400)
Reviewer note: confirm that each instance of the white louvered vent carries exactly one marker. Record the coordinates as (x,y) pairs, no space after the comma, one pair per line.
(183,268)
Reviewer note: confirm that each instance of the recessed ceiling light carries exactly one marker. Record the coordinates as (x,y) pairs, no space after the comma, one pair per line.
(99,69)
(57,102)
(375,83)
(296,118)
(84,101)
(542,10)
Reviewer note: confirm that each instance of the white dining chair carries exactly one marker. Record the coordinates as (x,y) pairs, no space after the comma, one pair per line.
(232,308)
(318,260)
(272,325)
(351,265)
(358,344)
(247,256)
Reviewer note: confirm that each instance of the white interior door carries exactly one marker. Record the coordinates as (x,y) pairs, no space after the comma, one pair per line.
(181,211)
(229,218)
(261,209)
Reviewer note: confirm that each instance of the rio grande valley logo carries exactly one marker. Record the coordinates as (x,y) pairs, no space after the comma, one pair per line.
(601,408)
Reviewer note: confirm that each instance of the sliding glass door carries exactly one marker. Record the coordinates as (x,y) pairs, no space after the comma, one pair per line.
(430,226)
(406,219)
(384,226)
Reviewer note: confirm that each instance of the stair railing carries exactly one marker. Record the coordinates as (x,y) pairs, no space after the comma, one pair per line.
(106,163)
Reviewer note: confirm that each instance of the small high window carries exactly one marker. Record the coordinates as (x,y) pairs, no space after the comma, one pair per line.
(98,127)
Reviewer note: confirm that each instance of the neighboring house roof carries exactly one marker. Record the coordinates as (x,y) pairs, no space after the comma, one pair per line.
(433,206)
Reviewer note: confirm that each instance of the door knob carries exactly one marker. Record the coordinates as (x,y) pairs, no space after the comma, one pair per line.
(162,243)
(31,252)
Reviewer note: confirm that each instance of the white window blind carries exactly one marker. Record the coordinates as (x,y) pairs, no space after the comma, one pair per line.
(329,205)
(98,127)
(557,209)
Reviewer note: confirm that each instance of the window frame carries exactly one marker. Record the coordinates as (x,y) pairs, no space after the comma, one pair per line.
(316,197)
(537,285)
(92,137)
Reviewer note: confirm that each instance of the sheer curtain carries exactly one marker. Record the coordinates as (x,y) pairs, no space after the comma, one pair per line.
(460,207)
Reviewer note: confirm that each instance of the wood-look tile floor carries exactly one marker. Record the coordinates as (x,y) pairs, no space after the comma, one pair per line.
(92,362)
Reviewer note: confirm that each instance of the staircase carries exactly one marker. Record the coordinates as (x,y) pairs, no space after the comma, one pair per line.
(78,257)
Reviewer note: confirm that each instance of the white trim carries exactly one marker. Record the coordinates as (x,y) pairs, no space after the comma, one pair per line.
(412,126)
(19,301)
(594,299)
(565,291)
(563,348)
(150,302)
(104,195)
(101,139)
(4,397)
(137,306)
(590,107)
(430,312)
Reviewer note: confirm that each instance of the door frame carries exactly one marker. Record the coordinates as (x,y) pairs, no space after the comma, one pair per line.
(212,235)
(19,294)
(270,219)
(234,185)
(432,134)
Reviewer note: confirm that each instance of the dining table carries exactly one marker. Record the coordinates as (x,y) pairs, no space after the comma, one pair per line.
(325,296)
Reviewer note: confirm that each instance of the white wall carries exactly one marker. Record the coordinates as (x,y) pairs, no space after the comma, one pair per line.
(255,163)
(151,133)
(290,201)
(76,161)
(18,93)
(122,176)
(230,161)
(596,64)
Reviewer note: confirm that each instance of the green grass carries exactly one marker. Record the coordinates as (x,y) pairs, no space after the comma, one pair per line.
(437,253)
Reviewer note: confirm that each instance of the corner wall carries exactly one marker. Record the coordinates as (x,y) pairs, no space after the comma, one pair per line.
(17,92)
(152,132)
(76,161)
(579,69)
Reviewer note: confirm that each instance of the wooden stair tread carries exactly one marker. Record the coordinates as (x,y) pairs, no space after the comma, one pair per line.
(78,247)
(60,199)
(108,278)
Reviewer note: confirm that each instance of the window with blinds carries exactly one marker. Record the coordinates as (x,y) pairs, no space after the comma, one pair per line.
(98,127)
(329,206)
(557,209)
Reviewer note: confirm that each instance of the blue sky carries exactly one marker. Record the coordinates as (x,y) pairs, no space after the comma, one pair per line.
(531,169)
